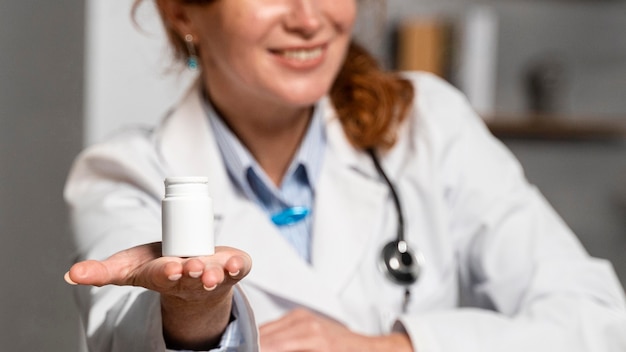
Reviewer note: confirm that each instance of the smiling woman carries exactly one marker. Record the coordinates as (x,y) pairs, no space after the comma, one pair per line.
(380,99)
(291,117)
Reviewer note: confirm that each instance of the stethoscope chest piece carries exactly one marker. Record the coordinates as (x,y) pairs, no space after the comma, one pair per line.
(400,263)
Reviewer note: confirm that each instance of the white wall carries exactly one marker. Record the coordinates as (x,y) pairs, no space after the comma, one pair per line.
(130,75)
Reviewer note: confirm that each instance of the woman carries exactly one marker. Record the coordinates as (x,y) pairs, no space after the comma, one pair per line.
(289,112)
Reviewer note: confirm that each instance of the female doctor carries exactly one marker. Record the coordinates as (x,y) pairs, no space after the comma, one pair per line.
(412,228)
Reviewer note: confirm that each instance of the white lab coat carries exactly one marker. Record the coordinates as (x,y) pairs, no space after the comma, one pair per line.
(502,272)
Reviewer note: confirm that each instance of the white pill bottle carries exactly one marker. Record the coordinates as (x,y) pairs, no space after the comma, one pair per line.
(187,217)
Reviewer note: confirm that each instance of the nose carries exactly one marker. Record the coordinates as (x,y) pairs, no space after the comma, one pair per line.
(305,17)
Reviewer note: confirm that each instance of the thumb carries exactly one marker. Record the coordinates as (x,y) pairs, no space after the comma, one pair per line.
(115,269)
(91,272)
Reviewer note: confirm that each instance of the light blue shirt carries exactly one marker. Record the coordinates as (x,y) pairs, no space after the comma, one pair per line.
(296,189)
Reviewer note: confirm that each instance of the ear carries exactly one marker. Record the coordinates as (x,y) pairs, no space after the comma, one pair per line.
(175,16)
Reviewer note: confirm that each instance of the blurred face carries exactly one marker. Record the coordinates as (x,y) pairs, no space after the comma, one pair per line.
(285,52)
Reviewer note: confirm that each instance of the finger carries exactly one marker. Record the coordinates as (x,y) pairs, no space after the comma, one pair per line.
(290,337)
(90,272)
(275,325)
(224,254)
(212,276)
(238,267)
(193,268)
(67,279)
(159,275)
(115,269)
(173,270)
(286,321)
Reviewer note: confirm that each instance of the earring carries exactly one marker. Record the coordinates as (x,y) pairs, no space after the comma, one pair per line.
(192,59)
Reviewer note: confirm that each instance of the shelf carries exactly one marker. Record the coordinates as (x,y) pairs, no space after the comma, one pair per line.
(558,128)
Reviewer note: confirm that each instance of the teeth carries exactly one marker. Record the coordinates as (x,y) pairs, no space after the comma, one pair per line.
(302,55)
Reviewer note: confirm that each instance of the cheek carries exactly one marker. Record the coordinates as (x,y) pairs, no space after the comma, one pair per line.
(253,18)
(343,12)
(219,42)
(241,19)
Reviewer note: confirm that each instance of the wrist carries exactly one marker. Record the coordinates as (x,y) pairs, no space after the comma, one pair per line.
(397,342)
(196,324)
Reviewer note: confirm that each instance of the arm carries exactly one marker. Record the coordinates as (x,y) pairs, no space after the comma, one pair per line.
(195,294)
(115,205)
(531,284)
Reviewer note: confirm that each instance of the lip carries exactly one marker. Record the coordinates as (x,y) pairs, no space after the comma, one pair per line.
(300,57)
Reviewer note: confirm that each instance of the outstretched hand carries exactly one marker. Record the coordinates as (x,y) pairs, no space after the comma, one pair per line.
(143,266)
(195,292)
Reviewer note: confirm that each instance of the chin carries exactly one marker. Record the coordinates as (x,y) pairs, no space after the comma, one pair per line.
(306,94)
(304,100)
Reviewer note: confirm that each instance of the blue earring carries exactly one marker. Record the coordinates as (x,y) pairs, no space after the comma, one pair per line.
(192,59)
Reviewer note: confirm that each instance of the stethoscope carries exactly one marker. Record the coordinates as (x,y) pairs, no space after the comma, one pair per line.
(400,264)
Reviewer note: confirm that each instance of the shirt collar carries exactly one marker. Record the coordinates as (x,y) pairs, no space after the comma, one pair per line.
(238,159)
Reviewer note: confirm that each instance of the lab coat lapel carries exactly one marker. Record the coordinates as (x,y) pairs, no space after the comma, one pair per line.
(348,209)
(276,267)
(188,148)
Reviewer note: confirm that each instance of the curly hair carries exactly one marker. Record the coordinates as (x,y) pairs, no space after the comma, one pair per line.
(370,101)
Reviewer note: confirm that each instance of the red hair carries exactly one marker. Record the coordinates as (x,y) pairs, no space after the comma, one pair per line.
(370,101)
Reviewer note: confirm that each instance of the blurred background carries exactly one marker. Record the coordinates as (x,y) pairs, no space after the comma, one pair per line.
(548,76)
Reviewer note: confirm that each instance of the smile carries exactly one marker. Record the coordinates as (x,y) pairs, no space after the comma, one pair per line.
(302,54)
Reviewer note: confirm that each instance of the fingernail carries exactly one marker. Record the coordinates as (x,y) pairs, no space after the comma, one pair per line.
(195,274)
(235,273)
(210,288)
(67,279)
(174,277)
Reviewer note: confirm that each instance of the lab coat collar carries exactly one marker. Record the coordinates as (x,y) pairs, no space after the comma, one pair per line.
(348,203)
